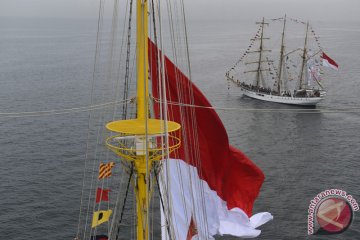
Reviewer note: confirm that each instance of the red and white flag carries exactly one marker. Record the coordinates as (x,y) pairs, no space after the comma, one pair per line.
(208,183)
(328,62)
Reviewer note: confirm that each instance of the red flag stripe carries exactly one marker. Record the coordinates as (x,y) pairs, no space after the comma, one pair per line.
(192,230)
(331,61)
(227,170)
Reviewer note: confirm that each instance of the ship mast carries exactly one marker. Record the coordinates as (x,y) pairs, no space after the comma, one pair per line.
(142,58)
(282,49)
(259,70)
(258,73)
(136,140)
(304,57)
(142,164)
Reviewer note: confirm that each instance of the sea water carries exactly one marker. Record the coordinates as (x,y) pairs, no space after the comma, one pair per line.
(47,64)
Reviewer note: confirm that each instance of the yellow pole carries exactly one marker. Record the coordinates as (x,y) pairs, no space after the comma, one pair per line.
(141,199)
(142,113)
(134,127)
(142,58)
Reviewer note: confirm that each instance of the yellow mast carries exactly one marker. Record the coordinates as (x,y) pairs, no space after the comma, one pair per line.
(141,166)
(142,58)
(144,131)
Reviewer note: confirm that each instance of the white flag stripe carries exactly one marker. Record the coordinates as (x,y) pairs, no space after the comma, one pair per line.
(213,218)
(326,63)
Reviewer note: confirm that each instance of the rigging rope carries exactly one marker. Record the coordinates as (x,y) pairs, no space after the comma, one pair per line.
(156,173)
(123,206)
(124,113)
(163,109)
(63,111)
(101,131)
(99,26)
(197,147)
(127,68)
(291,110)
(109,104)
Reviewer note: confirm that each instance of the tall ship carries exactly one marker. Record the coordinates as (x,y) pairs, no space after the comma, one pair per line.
(290,72)
(158,162)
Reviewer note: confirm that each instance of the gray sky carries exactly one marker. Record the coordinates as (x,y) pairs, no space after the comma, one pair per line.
(342,10)
(347,10)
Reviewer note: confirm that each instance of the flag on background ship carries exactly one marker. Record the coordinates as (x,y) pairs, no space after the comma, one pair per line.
(100,217)
(328,62)
(105,169)
(102,195)
(209,173)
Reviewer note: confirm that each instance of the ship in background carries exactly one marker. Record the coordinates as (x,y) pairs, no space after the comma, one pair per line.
(290,75)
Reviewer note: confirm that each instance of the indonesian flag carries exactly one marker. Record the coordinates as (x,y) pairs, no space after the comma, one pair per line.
(328,62)
(208,186)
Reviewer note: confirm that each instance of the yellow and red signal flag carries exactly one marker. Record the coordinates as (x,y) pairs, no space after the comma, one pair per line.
(102,195)
(105,169)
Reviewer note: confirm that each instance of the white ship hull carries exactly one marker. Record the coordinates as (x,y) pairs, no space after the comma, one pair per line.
(305,101)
